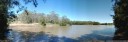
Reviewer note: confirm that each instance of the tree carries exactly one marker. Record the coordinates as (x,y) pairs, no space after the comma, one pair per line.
(121,19)
(53,17)
(32,17)
(5,5)
(64,21)
(11,17)
(96,23)
(42,19)
(26,17)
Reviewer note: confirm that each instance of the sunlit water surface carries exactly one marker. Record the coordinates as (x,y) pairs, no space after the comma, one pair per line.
(74,33)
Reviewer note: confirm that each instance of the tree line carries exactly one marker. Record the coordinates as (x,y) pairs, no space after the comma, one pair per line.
(33,17)
(42,18)
(88,23)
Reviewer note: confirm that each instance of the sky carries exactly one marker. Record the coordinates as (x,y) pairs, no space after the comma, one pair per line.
(78,10)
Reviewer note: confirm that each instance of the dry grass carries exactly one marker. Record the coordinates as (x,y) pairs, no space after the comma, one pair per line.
(34,27)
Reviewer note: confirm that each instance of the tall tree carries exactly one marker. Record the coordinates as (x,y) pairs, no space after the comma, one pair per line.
(5,5)
(121,19)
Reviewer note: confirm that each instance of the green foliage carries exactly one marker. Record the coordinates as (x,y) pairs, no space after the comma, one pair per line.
(3,19)
(25,17)
(5,8)
(121,14)
(64,21)
(84,23)
(63,24)
(106,23)
(11,17)
(53,17)
(32,17)
(43,23)
(41,18)
(96,23)
(120,8)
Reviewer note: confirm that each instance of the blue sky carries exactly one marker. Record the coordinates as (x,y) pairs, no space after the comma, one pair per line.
(82,10)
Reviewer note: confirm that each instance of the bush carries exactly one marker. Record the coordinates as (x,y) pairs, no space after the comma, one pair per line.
(63,24)
(42,22)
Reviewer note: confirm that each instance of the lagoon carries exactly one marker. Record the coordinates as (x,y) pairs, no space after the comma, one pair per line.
(73,33)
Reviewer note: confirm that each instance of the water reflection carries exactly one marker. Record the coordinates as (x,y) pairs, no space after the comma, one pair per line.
(73,33)
(37,37)
(76,31)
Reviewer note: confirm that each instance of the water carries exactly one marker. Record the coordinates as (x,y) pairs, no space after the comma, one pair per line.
(74,33)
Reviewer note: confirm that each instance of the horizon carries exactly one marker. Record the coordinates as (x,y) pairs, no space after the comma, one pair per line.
(77,10)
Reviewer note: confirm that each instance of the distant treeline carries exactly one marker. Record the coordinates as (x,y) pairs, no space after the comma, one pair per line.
(88,23)
(106,24)
(84,23)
